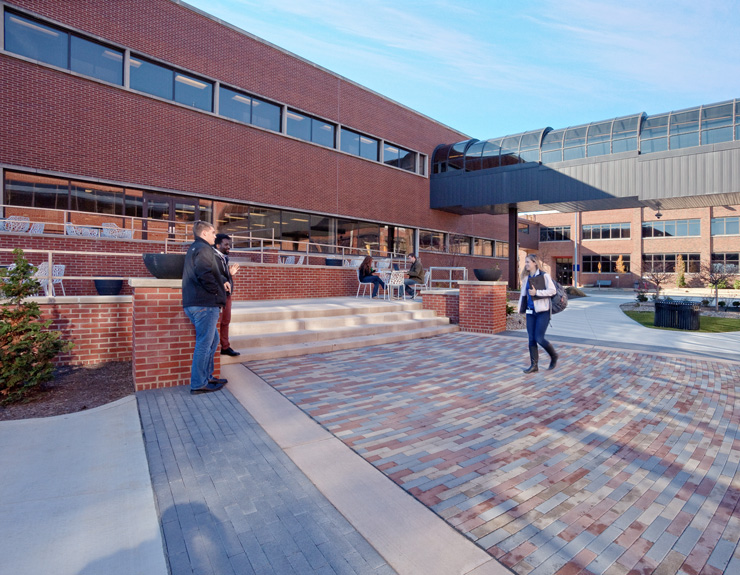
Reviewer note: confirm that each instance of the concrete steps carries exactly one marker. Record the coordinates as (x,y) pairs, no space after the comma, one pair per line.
(288,328)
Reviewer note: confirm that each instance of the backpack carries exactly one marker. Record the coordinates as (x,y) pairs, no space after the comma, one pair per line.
(559,301)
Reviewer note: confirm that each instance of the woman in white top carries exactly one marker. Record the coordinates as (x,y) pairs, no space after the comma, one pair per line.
(537,289)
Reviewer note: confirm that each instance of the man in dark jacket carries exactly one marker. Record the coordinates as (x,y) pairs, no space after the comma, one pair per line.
(416,275)
(228,271)
(203,296)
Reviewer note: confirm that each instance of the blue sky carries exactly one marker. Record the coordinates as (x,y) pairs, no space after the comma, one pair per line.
(495,67)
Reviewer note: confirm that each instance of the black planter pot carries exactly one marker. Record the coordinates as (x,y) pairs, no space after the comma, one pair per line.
(108,287)
(165,266)
(487,275)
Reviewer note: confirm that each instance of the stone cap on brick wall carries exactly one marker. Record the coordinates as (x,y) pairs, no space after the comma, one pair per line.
(155,283)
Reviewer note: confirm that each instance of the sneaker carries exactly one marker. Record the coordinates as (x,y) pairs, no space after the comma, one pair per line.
(207,388)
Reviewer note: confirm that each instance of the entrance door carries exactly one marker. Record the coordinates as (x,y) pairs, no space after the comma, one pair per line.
(564,271)
(168,217)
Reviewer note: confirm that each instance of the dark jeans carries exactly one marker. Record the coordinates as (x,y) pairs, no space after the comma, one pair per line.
(536,327)
(205,320)
(409,285)
(376,281)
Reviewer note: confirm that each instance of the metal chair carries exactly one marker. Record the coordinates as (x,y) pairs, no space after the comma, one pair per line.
(424,286)
(42,276)
(37,228)
(362,285)
(395,282)
(57,270)
(17,224)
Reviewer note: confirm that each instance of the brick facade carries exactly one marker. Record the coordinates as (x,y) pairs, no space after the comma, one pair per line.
(483,306)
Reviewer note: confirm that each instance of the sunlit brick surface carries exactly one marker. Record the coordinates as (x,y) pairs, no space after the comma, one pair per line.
(616,462)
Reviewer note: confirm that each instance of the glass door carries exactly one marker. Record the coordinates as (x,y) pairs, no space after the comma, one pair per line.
(564,271)
(169,217)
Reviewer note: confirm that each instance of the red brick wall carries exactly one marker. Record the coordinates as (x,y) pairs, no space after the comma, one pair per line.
(444,304)
(482,307)
(100,331)
(256,281)
(163,339)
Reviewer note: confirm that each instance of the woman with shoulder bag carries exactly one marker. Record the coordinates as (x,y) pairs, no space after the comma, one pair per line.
(537,289)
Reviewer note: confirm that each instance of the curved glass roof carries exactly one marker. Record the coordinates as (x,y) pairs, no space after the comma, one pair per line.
(703,125)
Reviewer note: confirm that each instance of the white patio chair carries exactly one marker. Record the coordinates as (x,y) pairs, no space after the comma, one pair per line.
(57,270)
(42,276)
(426,285)
(362,286)
(37,228)
(395,282)
(17,224)
(289,260)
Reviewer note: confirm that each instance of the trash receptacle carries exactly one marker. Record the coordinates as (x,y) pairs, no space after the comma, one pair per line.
(677,314)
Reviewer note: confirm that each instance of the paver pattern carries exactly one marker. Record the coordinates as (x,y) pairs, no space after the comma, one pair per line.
(616,462)
(231,502)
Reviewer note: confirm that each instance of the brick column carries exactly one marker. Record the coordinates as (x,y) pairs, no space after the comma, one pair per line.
(482,306)
(163,337)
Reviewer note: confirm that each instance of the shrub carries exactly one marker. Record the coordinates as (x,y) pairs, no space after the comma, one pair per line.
(721,284)
(705,302)
(27,348)
(722,303)
(573,291)
(641,296)
(736,303)
(509,308)
(736,285)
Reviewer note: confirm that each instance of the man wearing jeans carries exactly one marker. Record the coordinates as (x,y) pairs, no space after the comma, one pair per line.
(203,296)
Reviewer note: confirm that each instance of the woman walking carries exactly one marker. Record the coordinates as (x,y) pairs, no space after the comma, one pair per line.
(537,289)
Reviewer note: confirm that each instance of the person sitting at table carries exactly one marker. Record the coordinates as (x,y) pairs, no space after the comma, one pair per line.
(415,275)
(367,275)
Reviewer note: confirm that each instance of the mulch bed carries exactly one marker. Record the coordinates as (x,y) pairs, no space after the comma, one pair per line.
(74,389)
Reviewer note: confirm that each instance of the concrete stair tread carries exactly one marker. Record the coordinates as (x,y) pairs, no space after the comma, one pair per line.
(325,346)
(324,307)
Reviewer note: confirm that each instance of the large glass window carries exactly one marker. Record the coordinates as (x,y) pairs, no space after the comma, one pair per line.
(624,134)
(193,92)
(684,129)
(431,241)
(716,124)
(490,156)
(295,231)
(32,39)
(403,240)
(554,234)
(671,228)
(86,197)
(654,134)
(459,244)
(266,115)
(234,105)
(667,263)
(483,247)
(264,223)
(96,60)
(599,139)
(36,191)
(359,145)
(727,262)
(606,264)
(323,233)
(502,249)
(606,231)
(310,129)
(552,147)
(726,226)
(574,143)
(151,78)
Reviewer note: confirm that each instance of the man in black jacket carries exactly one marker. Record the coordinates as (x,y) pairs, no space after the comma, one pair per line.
(203,296)
(228,271)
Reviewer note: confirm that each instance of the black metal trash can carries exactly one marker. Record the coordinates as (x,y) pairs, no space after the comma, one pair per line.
(677,314)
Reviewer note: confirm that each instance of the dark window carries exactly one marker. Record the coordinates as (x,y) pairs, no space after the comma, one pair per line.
(608,263)
(235,105)
(431,241)
(96,60)
(35,40)
(459,244)
(193,92)
(483,247)
(266,115)
(407,160)
(36,191)
(86,197)
(667,263)
(151,78)
(390,155)
(728,262)
(554,234)
(350,142)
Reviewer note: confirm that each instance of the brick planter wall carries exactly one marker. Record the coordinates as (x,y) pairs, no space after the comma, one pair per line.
(163,337)
(100,327)
(483,306)
(445,303)
(270,281)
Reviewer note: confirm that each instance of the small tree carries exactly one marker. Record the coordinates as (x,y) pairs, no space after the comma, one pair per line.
(680,271)
(658,276)
(619,267)
(717,275)
(27,348)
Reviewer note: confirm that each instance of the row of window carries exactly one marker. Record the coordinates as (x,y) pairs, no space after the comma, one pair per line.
(294,229)
(657,229)
(658,263)
(703,125)
(53,45)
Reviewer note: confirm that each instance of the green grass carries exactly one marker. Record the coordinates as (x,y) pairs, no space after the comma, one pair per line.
(707,324)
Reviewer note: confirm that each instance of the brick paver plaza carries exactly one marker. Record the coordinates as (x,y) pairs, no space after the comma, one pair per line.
(616,462)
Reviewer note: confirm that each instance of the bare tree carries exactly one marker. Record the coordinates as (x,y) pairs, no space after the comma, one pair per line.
(715,275)
(658,275)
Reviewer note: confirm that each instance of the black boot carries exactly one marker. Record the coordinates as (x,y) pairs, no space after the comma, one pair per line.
(533,356)
(553,355)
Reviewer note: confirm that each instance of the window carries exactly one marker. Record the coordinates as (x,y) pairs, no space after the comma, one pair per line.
(266,115)
(654,134)
(729,262)
(235,105)
(36,191)
(460,244)
(667,263)
(359,145)
(554,234)
(193,92)
(608,263)
(400,157)
(483,247)
(151,78)
(726,226)
(35,40)
(671,228)
(523,228)
(86,197)
(684,129)
(599,139)
(502,249)
(574,143)
(606,231)
(716,124)
(431,241)
(96,60)
(552,147)
(310,129)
